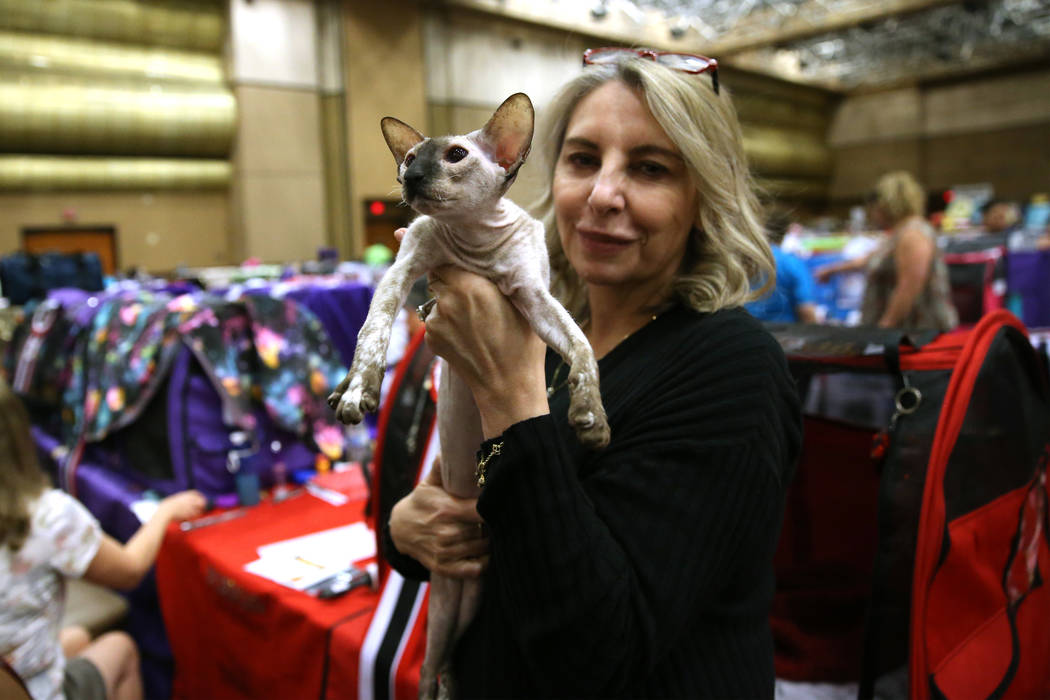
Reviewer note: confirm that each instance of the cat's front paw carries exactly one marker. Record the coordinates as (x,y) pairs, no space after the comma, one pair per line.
(587,416)
(360,396)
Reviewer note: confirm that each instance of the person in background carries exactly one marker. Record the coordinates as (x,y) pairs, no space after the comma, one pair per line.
(644,569)
(906,280)
(1000,217)
(45,536)
(793,300)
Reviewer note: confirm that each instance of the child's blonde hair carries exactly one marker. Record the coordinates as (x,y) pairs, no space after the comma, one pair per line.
(21,479)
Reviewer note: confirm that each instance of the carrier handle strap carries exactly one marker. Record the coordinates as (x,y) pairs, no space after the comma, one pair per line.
(906,400)
(891,353)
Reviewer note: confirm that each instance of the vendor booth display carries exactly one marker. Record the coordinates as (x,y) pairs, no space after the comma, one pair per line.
(137,393)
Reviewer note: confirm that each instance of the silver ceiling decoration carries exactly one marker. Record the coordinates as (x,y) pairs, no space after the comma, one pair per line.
(716,18)
(941,41)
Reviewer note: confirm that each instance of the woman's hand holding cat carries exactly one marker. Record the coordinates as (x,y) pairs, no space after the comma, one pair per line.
(443,533)
(490,345)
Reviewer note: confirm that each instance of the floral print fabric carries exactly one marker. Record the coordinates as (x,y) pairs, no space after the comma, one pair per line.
(257,348)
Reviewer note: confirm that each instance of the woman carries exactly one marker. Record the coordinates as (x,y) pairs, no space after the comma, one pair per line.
(45,536)
(906,284)
(645,569)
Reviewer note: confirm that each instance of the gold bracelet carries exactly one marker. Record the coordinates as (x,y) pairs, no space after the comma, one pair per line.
(479,473)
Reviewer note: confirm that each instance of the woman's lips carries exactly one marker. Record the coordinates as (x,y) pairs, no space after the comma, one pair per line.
(602,243)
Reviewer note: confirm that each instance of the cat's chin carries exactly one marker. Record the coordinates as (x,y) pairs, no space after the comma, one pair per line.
(429,205)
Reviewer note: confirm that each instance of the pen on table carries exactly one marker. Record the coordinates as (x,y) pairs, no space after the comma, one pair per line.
(287,494)
(187,525)
(326,494)
(308,562)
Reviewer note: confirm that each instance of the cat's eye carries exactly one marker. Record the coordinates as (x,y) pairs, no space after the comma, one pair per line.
(409,158)
(456,154)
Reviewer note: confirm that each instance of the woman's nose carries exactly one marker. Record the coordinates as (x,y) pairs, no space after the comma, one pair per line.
(607,192)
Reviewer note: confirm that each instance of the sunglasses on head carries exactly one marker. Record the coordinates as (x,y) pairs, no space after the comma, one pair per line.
(685,62)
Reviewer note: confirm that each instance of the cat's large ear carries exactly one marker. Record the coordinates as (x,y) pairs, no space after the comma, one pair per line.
(508,135)
(400,137)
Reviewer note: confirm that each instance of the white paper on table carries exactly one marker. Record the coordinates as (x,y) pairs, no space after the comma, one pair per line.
(301,562)
(294,573)
(339,545)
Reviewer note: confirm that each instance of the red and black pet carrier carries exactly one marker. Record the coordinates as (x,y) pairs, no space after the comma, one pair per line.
(915,537)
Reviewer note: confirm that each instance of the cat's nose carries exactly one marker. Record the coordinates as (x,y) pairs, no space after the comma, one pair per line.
(413,178)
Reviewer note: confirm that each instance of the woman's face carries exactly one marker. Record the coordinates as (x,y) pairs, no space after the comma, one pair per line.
(623,198)
(878,217)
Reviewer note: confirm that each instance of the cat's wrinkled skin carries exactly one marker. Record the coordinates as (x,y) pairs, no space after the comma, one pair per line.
(457,183)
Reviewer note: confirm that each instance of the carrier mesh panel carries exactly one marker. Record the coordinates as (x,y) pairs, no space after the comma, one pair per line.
(1004,430)
(849,512)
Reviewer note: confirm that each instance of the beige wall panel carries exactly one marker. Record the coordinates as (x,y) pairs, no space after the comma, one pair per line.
(384,76)
(278,191)
(780,151)
(336,174)
(877,117)
(273,42)
(1016,161)
(779,111)
(482,59)
(742,83)
(530,186)
(283,216)
(856,168)
(156,231)
(278,131)
(995,130)
(983,105)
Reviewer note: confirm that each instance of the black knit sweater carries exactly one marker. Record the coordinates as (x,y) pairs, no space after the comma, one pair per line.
(646,569)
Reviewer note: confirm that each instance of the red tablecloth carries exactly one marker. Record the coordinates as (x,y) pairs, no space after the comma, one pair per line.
(237,635)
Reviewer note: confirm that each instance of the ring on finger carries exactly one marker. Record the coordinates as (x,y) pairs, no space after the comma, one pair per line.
(423,310)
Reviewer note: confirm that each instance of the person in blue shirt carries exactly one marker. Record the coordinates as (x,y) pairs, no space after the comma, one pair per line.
(793,298)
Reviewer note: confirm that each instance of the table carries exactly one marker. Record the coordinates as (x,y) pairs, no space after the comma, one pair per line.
(237,635)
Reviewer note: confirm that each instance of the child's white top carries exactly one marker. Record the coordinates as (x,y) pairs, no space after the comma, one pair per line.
(63,539)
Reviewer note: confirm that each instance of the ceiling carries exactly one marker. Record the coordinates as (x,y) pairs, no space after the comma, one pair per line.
(847,46)
(854,45)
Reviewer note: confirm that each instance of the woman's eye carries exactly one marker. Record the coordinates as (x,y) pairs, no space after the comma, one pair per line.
(651,168)
(582,160)
(456,154)
(409,158)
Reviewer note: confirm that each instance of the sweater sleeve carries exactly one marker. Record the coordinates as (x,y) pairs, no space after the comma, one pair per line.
(602,570)
(402,563)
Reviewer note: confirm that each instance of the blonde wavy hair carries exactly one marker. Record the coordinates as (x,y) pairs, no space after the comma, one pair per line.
(21,479)
(728,255)
(899,195)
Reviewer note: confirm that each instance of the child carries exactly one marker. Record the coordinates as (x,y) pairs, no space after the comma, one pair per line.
(45,536)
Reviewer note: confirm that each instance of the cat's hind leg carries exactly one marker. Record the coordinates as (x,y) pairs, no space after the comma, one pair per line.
(442,616)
